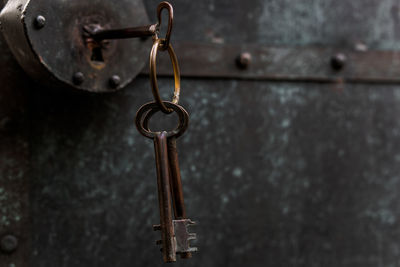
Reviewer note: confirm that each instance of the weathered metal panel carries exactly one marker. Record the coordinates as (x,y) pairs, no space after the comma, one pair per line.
(14,161)
(288,23)
(313,64)
(277,173)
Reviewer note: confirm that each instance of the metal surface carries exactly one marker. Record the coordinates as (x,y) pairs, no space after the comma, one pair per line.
(283,63)
(47,38)
(14,161)
(309,178)
(278,173)
(8,244)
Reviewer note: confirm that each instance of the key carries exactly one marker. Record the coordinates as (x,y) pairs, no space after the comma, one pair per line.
(180,223)
(164,197)
(181,236)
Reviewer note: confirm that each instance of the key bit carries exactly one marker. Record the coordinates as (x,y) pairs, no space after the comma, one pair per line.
(192,236)
(182,236)
(177,195)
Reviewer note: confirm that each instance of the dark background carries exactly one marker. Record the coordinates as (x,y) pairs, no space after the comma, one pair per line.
(277,173)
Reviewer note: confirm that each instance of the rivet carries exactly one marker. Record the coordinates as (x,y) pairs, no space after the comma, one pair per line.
(78,78)
(9,243)
(243,60)
(115,81)
(40,22)
(338,61)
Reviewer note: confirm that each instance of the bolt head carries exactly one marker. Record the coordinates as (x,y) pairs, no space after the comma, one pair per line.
(338,61)
(115,81)
(9,243)
(243,60)
(40,22)
(78,78)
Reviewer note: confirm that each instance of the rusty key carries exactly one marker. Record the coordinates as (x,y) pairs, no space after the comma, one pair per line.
(164,197)
(181,222)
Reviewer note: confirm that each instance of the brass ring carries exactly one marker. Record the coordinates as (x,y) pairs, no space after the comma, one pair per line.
(153,75)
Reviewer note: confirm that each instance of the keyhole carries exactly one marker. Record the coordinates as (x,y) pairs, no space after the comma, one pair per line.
(97,54)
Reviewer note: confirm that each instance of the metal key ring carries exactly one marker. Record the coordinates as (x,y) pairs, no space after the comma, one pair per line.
(150,114)
(153,75)
(149,109)
(170,9)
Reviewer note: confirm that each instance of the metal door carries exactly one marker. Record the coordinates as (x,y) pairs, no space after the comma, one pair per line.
(292,157)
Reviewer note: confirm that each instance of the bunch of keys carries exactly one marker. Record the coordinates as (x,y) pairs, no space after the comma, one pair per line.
(175,237)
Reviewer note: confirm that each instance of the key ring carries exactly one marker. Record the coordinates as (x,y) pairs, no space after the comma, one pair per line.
(150,114)
(149,109)
(153,75)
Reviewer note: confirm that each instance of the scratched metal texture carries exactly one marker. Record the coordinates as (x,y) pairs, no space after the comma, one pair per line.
(14,158)
(288,23)
(277,173)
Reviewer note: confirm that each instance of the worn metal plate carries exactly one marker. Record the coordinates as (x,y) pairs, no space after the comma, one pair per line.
(58,50)
(309,63)
(277,174)
(14,160)
(281,23)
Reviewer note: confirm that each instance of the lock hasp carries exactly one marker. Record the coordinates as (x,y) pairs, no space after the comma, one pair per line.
(48,40)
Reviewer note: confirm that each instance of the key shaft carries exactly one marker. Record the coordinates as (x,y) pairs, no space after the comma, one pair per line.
(164,197)
(176,186)
(176,181)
